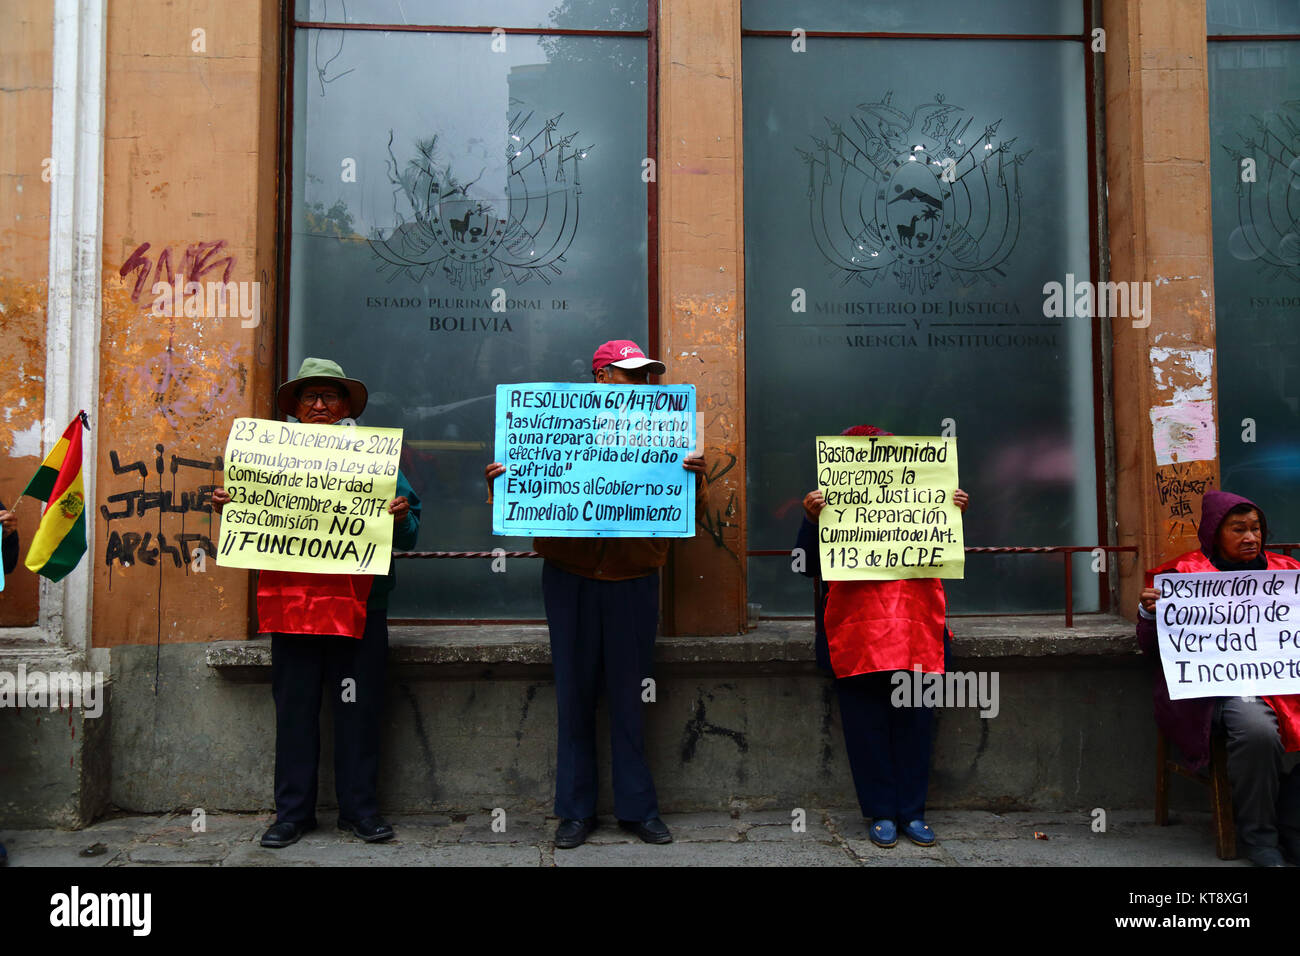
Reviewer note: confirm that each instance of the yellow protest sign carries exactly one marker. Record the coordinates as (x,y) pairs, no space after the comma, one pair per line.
(889,511)
(309,497)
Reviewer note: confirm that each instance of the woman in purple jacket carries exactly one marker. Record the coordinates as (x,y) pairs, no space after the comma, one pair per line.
(1265,802)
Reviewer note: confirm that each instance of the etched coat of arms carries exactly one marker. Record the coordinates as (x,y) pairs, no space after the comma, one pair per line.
(915,195)
(1268,193)
(475,238)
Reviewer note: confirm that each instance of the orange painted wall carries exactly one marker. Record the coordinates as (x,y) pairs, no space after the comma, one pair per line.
(190,136)
(190,180)
(1158,174)
(26,63)
(701,311)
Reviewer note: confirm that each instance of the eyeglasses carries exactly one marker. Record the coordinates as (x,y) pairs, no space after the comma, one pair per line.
(309,399)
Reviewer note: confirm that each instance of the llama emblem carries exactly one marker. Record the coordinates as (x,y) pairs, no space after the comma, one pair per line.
(1268,202)
(915,196)
(476,238)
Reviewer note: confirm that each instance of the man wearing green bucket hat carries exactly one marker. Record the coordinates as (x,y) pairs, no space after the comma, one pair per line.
(310,618)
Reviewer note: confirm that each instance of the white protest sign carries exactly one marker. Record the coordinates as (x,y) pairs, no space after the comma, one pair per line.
(1229,633)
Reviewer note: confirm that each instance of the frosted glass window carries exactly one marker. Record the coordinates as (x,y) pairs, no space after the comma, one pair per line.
(1253,16)
(1255,134)
(432,183)
(923,297)
(908,16)
(558,14)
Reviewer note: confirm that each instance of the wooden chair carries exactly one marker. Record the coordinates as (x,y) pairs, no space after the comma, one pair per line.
(1225,832)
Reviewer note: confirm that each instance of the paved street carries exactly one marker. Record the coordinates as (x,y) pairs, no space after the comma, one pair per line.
(741,838)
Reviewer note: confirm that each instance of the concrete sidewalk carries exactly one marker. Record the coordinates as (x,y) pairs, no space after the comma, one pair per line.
(741,838)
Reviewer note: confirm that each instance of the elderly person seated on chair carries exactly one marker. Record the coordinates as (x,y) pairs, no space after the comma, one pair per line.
(1265,802)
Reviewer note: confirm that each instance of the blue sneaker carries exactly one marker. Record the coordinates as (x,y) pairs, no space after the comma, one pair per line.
(919,832)
(883,833)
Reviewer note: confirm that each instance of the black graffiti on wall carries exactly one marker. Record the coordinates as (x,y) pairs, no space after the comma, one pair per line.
(154,546)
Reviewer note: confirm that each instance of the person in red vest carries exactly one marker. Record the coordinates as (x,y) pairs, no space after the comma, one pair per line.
(328,628)
(867,630)
(1265,802)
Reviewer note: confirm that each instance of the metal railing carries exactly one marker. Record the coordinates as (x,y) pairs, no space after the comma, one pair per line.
(1066,551)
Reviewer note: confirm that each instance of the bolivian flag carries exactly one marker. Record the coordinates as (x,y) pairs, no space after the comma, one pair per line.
(60,541)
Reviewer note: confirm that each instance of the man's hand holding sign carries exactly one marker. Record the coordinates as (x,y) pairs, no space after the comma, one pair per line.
(589,461)
(323,404)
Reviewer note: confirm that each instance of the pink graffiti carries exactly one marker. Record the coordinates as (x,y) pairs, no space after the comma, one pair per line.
(198,260)
(192,385)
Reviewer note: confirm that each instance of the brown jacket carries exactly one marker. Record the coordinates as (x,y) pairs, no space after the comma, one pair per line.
(612,559)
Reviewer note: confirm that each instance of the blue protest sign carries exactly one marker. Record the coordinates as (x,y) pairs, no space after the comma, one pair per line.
(586,461)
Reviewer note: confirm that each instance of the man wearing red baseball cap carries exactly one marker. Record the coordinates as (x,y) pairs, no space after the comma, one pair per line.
(625,356)
(602,608)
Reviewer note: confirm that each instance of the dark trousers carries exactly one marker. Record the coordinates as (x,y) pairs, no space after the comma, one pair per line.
(601,632)
(1265,801)
(888,747)
(301,664)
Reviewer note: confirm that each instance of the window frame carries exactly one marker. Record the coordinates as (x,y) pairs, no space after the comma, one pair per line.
(290,25)
(1225,38)
(1098,260)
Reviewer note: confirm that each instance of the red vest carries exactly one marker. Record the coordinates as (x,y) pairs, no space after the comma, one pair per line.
(294,602)
(1286,706)
(885,625)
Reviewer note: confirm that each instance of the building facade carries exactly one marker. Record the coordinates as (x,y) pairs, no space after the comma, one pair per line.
(1065,232)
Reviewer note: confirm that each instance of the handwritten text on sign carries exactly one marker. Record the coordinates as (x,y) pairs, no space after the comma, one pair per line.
(889,511)
(595,460)
(1229,633)
(309,497)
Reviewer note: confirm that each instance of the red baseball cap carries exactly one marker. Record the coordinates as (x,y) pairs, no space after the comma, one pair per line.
(625,354)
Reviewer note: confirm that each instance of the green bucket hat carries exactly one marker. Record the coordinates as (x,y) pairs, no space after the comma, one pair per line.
(321,370)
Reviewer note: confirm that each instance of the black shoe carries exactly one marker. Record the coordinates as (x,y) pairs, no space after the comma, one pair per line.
(371,829)
(1265,856)
(573,833)
(650,831)
(286,834)
(1291,850)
